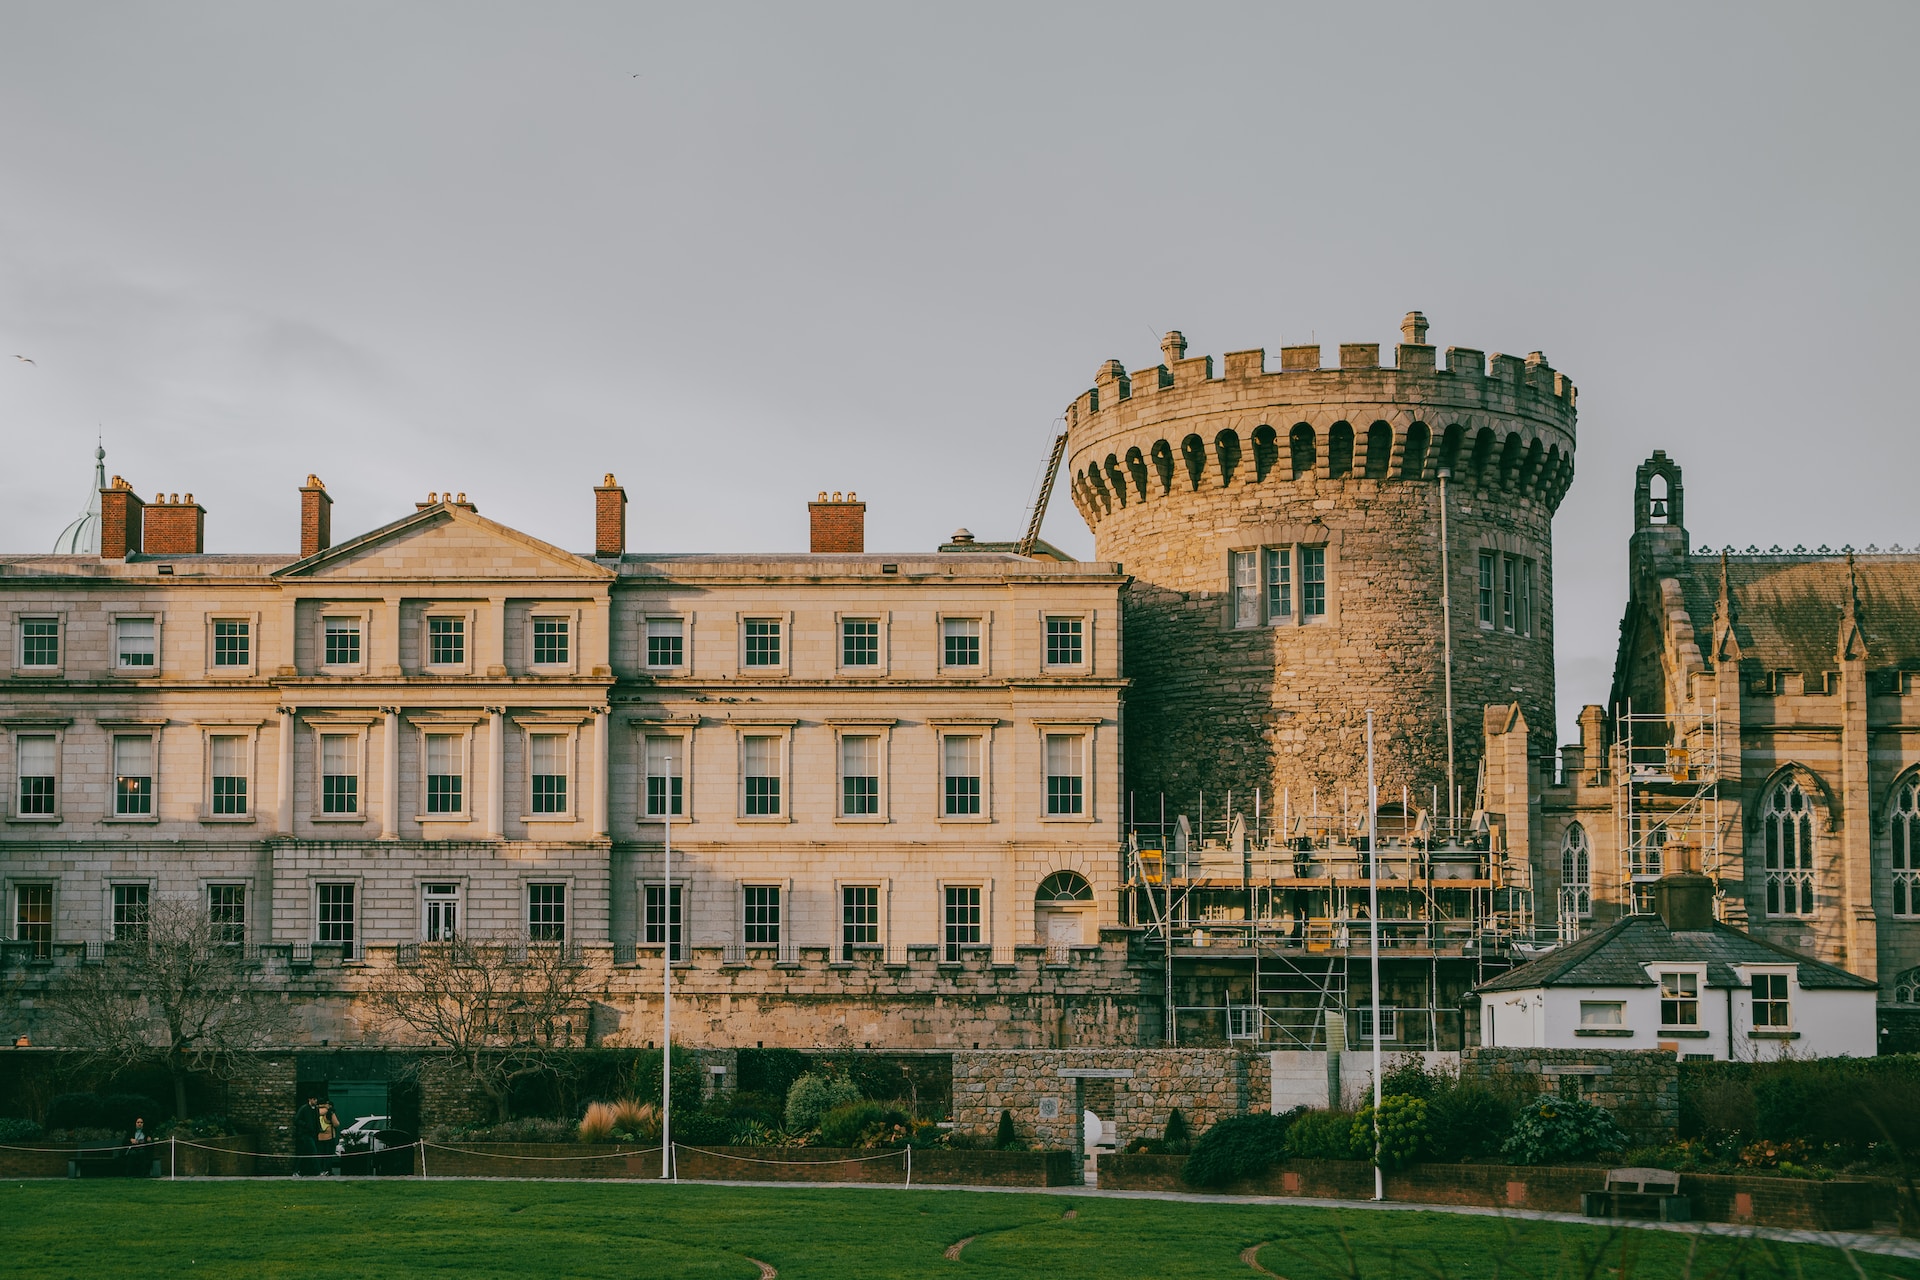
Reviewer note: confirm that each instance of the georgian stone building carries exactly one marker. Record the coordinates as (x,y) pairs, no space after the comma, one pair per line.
(889,778)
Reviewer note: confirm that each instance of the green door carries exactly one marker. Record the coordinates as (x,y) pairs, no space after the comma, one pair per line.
(353,1099)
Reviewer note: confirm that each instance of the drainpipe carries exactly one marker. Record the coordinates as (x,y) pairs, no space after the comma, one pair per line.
(1446,631)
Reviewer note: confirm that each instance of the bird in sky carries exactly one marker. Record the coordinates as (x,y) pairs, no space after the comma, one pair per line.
(34,363)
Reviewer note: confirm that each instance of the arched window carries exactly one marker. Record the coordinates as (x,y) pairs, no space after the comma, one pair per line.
(1789,857)
(1576,874)
(1906,987)
(1906,848)
(1064,886)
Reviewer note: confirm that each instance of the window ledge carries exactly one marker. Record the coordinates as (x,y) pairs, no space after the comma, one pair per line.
(1772,1035)
(132,818)
(548,818)
(442,819)
(862,820)
(135,673)
(1603,1031)
(227,819)
(337,817)
(1068,817)
(764,819)
(1685,1033)
(656,819)
(43,819)
(965,819)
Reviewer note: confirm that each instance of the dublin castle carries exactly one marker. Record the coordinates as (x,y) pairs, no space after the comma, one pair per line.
(970,797)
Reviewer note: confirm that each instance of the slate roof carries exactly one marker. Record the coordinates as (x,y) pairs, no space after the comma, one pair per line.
(1786,608)
(1616,956)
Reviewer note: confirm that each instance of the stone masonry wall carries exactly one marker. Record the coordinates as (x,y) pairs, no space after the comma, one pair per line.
(1206,1084)
(1641,1087)
(1175,469)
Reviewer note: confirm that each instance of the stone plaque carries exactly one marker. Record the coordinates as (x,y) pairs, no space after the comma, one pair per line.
(1049,1108)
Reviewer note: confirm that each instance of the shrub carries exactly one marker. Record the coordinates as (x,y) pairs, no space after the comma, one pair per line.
(766,1109)
(1322,1135)
(12,1130)
(704,1127)
(1004,1136)
(1403,1130)
(75,1111)
(812,1096)
(1552,1130)
(638,1120)
(1467,1121)
(597,1124)
(201,1127)
(527,1130)
(1409,1077)
(865,1124)
(1175,1139)
(1238,1147)
(769,1071)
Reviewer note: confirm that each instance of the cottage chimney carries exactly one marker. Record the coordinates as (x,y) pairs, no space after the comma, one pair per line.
(122,520)
(316,518)
(837,525)
(1683,897)
(175,526)
(609,519)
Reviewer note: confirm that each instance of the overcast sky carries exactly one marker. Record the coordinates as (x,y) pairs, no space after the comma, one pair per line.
(737,255)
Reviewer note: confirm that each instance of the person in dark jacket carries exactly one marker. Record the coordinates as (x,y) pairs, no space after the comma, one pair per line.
(306,1134)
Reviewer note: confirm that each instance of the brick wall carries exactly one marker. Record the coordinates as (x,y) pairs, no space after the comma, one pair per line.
(609,519)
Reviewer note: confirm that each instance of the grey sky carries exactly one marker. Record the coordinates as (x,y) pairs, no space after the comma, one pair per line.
(737,255)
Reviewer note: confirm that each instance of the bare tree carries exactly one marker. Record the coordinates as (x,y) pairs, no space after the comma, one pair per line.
(181,995)
(503,1008)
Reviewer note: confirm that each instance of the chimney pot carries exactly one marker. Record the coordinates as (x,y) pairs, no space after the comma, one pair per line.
(175,528)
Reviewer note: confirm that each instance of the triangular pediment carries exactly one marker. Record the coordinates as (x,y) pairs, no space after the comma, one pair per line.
(445,542)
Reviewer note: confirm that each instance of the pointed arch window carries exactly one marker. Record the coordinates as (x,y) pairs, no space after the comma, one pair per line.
(1789,850)
(1905,825)
(1906,987)
(1576,874)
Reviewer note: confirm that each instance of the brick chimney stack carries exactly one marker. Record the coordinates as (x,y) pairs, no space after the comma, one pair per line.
(176,526)
(316,518)
(838,525)
(122,517)
(609,519)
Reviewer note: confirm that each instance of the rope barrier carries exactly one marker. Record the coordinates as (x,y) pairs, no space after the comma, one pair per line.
(501,1155)
(721,1155)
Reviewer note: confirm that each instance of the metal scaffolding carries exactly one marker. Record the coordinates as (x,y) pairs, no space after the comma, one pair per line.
(1274,906)
(1666,795)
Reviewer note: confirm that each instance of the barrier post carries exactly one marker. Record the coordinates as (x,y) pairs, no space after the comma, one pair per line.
(173,1158)
(423,1157)
(909,1165)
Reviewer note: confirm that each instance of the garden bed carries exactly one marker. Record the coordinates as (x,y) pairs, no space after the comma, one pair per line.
(1842,1204)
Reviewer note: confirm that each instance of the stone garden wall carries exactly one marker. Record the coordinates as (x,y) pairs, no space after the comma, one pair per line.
(1641,1087)
(1205,1084)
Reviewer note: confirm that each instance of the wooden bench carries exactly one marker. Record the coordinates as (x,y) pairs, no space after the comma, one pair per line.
(115,1160)
(1639,1193)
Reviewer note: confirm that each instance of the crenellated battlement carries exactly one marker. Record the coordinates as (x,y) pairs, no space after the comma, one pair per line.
(1503,423)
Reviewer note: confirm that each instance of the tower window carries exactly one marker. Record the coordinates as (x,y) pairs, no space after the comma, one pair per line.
(1789,851)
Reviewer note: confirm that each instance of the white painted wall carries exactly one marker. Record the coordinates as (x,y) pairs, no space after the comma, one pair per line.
(1299,1077)
(1825,1023)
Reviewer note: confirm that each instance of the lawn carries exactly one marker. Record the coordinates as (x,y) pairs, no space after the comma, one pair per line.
(102,1229)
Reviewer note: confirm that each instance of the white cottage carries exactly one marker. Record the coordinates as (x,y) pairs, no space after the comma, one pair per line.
(1681,982)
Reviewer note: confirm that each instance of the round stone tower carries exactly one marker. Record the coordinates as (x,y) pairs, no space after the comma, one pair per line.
(1283,531)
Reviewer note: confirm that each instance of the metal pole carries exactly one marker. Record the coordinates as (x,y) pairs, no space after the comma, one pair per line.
(666,986)
(1446,632)
(1373,919)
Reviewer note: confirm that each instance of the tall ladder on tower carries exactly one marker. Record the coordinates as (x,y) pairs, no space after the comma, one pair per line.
(1046,494)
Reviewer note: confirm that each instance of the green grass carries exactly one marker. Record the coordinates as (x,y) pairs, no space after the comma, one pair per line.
(637,1231)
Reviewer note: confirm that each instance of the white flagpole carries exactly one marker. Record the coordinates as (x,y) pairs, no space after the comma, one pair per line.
(1373,919)
(666,985)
